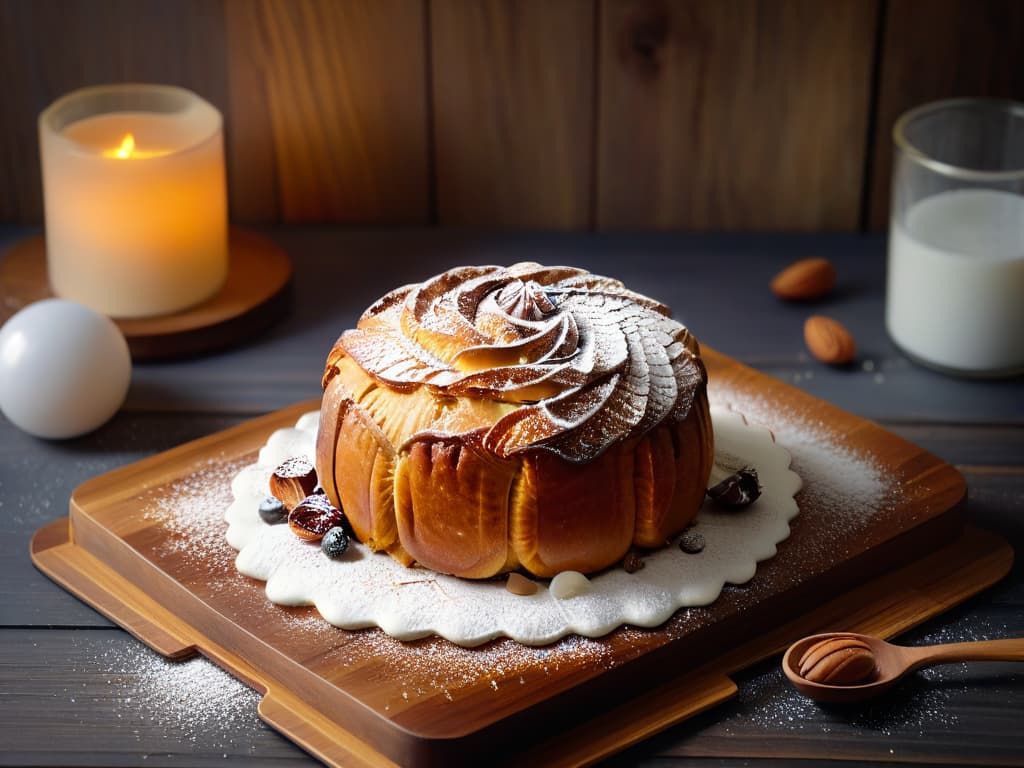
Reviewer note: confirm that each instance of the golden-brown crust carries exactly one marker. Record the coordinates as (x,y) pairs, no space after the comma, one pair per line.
(451,504)
(441,500)
(584,362)
(654,488)
(573,517)
(526,417)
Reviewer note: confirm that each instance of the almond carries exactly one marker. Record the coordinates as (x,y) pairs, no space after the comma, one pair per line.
(292,481)
(518,584)
(829,341)
(804,280)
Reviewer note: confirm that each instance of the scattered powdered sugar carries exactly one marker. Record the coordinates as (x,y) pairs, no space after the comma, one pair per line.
(363,589)
(618,364)
(192,699)
(838,481)
(214,700)
(846,487)
(845,484)
(443,669)
(770,703)
(187,511)
(920,706)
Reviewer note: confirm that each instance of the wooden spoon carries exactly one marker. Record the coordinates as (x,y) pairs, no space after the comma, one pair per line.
(892,662)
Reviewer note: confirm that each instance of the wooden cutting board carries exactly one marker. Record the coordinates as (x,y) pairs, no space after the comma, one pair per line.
(140,547)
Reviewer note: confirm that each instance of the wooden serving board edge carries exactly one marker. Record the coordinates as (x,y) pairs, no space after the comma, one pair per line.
(909,595)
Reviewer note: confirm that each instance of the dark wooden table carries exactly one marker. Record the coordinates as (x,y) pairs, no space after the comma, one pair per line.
(76,690)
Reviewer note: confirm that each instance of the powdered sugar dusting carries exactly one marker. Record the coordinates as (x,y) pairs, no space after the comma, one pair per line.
(920,705)
(192,699)
(837,477)
(443,669)
(846,485)
(186,509)
(849,491)
(917,707)
(589,361)
(364,589)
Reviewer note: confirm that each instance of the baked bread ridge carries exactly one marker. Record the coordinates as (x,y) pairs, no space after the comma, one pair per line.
(493,419)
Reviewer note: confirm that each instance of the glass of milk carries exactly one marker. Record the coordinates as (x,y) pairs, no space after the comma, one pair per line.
(955,295)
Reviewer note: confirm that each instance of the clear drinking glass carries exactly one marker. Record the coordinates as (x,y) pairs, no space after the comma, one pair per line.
(955,292)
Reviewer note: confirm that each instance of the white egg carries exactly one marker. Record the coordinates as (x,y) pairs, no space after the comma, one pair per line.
(64,369)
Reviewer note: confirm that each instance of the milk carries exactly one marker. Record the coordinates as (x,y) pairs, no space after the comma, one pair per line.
(956,281)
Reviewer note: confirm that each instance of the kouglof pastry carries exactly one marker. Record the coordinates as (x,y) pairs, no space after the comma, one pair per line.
(531,418)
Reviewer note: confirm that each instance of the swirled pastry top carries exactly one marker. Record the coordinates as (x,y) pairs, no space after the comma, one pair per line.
(582,361)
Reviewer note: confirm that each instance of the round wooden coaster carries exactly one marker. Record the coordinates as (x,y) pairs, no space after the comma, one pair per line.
(254,295)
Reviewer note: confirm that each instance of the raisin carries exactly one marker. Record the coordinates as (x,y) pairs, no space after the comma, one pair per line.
(738,490)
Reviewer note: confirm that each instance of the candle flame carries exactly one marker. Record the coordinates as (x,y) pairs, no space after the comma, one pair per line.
(126,150)
(127,146)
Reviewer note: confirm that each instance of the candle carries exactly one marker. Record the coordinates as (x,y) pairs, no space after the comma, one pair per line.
(135,199)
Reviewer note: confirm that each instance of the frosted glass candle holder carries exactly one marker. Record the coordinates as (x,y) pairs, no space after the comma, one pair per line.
(135,198)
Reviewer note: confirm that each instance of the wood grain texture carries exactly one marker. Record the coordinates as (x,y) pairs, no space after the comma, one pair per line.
(328,110)
(909,596)
(51,47)
(950,715)
(512,86)
(741,114)
(182,590)
(97,697)
(733,115)
(94,696)
(935,50)
(36,481)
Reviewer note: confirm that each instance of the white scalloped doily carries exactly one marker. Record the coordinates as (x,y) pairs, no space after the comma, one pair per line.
(364,589)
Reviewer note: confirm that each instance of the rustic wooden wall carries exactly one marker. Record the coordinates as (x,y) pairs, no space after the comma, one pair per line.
(568,114)
(935,49)
(733,114)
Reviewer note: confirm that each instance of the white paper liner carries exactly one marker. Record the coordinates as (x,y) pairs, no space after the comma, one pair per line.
(364,589)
